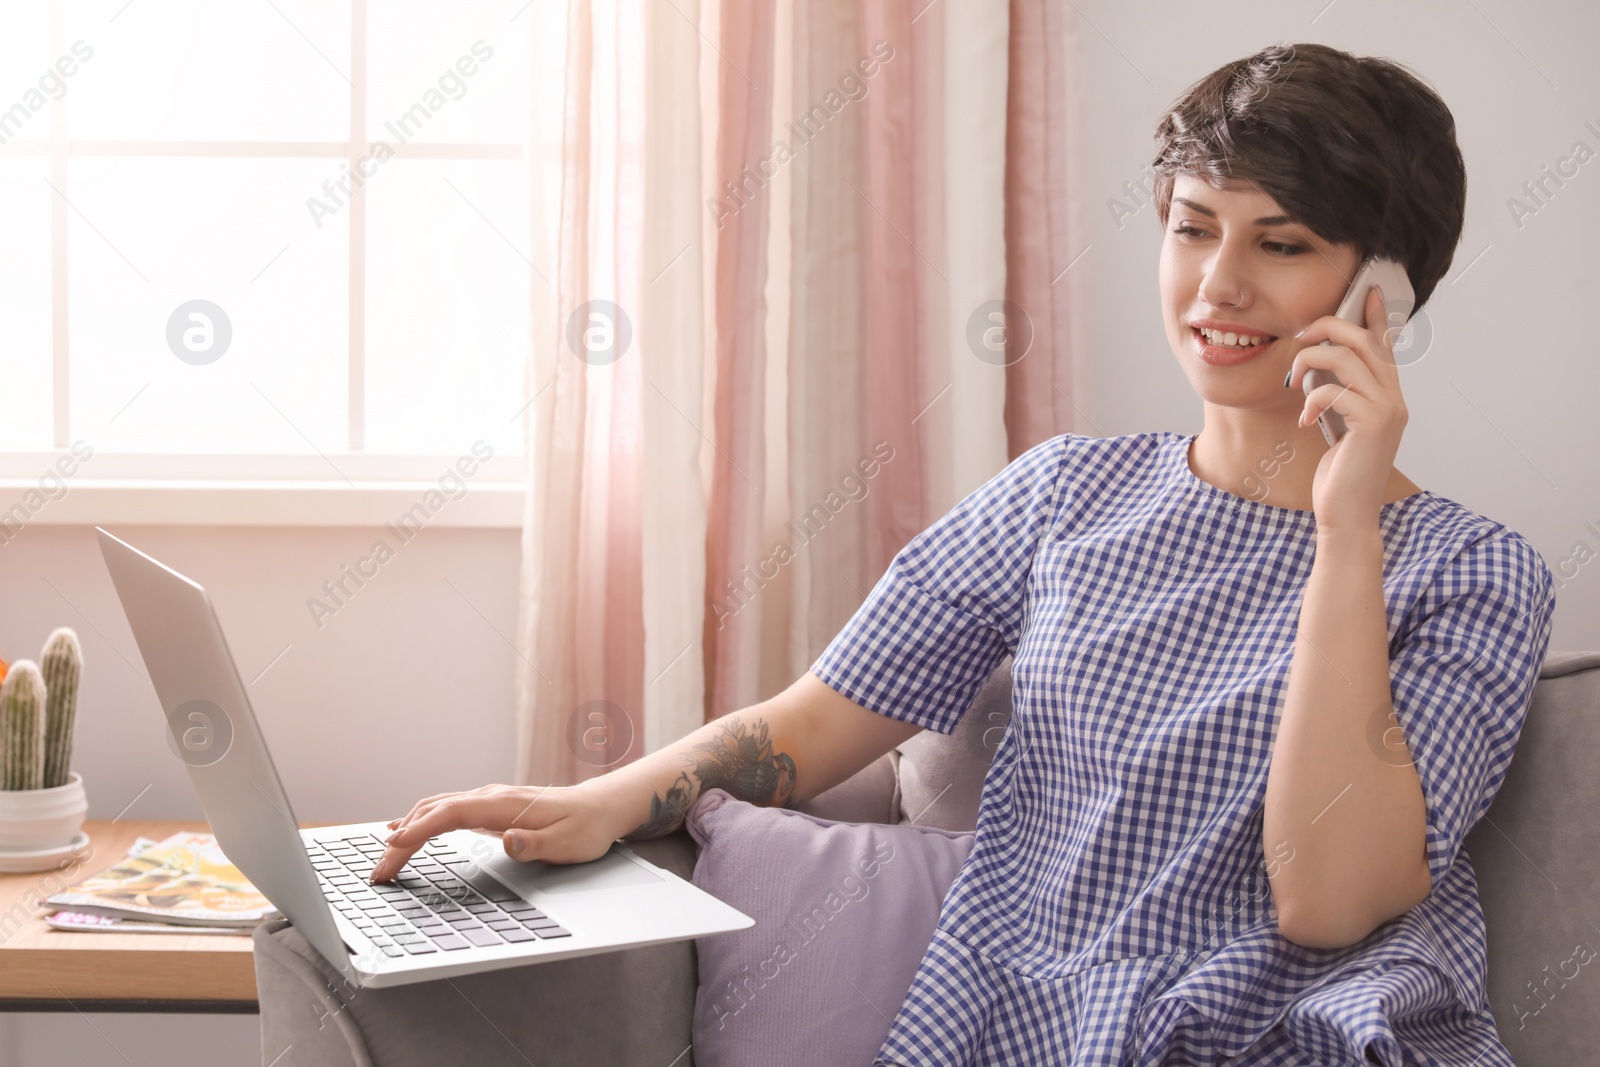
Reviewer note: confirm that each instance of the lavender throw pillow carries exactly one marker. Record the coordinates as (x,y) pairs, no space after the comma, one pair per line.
(843,913)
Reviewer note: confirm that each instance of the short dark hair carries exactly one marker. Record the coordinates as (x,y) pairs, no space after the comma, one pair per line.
(1356,148)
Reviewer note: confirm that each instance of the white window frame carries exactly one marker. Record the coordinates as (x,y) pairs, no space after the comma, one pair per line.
(351,488)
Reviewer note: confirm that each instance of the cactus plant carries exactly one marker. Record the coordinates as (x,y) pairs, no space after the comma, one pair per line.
(60,666)
(22,727)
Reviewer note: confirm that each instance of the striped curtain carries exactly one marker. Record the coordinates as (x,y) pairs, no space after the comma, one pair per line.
(811,285)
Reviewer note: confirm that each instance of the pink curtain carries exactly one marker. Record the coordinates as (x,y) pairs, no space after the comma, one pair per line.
(580,632)
(732,641)
(800,396)
(904,292)
(1046,391)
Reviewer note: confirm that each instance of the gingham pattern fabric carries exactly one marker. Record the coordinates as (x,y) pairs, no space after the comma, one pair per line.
(1115,908)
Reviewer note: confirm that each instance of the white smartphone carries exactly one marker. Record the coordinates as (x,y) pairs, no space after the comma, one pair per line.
(1398,300)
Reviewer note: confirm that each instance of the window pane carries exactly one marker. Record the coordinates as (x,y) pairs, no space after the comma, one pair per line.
(151,235)
(30,82)
(195,70)
(419,57)
(25,362)
(448,329)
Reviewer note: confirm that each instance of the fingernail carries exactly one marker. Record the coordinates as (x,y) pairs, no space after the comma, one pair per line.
(1287,376)
(515,841)
(1299,335)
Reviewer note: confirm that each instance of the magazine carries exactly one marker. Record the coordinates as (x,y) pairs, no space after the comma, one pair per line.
(80,920)
(183,880)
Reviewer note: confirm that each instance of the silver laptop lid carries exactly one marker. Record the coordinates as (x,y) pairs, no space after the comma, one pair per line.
(217,736)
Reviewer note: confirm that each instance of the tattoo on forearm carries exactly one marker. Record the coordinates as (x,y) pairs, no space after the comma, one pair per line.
(741,762)
(666,813)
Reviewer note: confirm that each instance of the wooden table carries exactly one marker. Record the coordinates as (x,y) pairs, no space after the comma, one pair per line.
(44,969)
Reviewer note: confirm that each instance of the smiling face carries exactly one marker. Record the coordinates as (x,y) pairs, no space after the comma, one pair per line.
(1227,247)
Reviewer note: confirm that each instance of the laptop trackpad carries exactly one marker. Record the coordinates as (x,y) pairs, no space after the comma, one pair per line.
(611,871)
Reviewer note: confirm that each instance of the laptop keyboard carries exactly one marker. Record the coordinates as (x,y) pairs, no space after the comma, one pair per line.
(427,908)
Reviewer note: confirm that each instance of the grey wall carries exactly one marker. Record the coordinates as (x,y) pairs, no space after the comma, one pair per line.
(406,691)
(70,1039)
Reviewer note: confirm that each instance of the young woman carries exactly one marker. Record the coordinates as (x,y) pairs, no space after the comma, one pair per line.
(1261,688)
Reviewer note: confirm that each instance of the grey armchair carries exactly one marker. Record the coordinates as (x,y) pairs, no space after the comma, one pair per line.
(1535,855)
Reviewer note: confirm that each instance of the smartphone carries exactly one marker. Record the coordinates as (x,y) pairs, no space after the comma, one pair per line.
(1398,299)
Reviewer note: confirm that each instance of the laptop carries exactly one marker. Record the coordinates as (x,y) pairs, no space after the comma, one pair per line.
(459,906)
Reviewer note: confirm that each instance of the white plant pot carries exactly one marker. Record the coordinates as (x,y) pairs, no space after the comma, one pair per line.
(35,819)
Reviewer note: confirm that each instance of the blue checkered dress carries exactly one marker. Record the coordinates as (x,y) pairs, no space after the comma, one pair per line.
(1115,908)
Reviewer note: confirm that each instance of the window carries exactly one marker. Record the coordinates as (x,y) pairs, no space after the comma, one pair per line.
(285,240)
